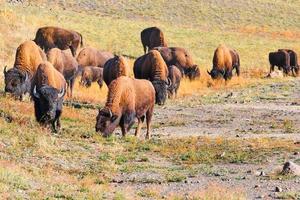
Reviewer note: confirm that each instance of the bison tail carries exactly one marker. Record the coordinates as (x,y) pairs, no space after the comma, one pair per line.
(81,40)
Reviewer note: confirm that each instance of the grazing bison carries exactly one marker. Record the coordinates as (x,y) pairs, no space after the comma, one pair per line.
(181,58)
(293,60)
(66,64)
(50,37)
(152,37)
(18,78)
(175,78)
(48,90)
(151,66)
(92,74)
(127,99)
(114,68)
(281,59)
(89,56)
(224,61)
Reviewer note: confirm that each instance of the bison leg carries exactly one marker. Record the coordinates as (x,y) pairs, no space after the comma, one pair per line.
(272,68)
(123,129)
(73,50)
(237,68)
(138,128)
(71,85)
(148,121)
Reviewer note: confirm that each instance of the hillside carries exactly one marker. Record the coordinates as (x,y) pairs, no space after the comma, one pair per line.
(212,142)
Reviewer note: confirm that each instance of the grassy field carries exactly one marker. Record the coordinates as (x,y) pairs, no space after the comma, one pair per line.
(80,164)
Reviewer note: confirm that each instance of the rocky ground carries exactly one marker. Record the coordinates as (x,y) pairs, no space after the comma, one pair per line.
(266,111)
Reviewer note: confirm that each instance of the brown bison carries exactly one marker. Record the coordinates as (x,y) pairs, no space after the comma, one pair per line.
(175,78)
(151,66)
(293,60)
(48,90)
(66,64)
(50,37)
(224,61)
(181,58)
(152,37)
(92,74)
(281,59)
(89,56)
(127,99)
(18,78)
(114,68)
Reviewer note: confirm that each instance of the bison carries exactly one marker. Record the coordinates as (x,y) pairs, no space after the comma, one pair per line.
(151,66)
(152,37)
(293,60)
(182,59)
(89,56)
(66,64)
(281,59)
(18,78)
(114,68)
(175,78)
(48,91)
(50,37)
(224,61)
(92,74)
(127,99)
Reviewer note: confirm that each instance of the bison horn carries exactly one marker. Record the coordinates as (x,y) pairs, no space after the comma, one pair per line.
(169,82)
(208,72)
(62,93)
(110,113)
(37,95)
(4,71)
(26,77)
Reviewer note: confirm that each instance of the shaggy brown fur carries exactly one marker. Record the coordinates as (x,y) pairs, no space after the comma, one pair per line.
(235,61)
(28,57)
(66,64)
(293,60)
(92,74)
(50,37)
(152,37)
(127,99)
(280,59)
(151,66)
(48,75)
(224,61)
(18,79)
(181,58)
(175,78)
(114,68)
(92,57)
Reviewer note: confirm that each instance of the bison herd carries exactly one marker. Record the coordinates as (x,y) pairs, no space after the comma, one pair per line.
(47,67)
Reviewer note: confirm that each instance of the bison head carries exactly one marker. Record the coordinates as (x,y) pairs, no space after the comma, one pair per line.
(16,82)
(47,103)
(216,74)
(193,72)
(161,91)
(106,122)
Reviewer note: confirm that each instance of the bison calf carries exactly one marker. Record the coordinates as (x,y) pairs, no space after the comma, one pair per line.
(175,78)
(114,68)
(92,74)
(48,91)
(127,99)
